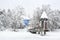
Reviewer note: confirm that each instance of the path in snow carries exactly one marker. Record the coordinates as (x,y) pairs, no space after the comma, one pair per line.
(29,36)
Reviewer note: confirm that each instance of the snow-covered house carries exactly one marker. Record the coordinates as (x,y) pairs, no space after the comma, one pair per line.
(25,20)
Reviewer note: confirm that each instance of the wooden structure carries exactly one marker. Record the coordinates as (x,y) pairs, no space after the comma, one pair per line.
(43,23)
(41,26)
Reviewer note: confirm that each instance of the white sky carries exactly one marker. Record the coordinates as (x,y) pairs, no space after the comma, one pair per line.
(29,5)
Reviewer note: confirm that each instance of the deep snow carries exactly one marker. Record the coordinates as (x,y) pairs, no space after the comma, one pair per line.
(24,35)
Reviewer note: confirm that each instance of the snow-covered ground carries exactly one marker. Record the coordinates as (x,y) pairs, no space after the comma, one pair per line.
(24,35)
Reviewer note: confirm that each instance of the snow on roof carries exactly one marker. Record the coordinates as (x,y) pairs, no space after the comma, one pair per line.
(44,15)
(25,17)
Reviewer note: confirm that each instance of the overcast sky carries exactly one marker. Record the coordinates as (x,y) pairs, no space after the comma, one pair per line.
(29,5)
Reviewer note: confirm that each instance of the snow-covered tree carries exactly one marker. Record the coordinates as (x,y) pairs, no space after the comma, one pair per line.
(18,12)
(11,18)
(53,17)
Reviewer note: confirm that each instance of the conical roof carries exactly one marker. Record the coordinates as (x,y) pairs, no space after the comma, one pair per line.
(44,15)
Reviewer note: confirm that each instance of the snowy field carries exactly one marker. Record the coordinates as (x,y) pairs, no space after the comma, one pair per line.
(24,35)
